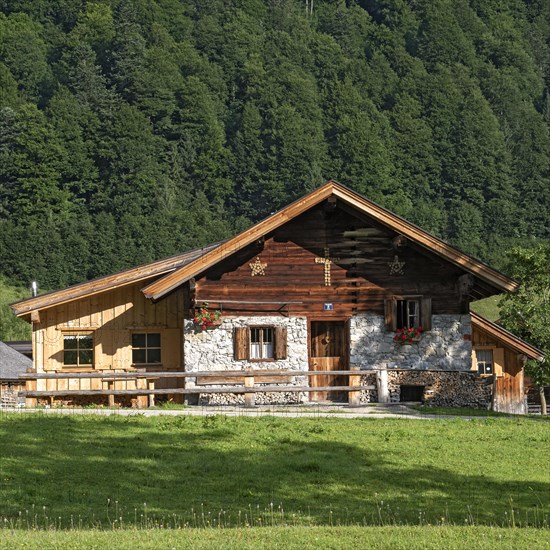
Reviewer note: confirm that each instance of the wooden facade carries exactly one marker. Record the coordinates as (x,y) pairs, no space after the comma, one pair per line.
(109,319)
(326,259)
(355,254)
(509,354)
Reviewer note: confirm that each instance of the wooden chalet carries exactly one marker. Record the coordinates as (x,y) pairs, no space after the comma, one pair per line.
(319,287)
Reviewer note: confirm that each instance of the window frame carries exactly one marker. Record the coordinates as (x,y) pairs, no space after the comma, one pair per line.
(242,336)
(485,350)
(146,348)
(403,305)
(81,333)
(424,311)
(261,330)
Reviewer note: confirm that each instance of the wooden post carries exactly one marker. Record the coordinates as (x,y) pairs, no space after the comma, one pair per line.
(249,396)
(354,397)
(30,402)
(151,386)
(382,383)
(111,397)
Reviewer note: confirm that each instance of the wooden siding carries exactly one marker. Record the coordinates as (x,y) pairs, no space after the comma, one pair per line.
(360,279)
(111,317)
(508,389)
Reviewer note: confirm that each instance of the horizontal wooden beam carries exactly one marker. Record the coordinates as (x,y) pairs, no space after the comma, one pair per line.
(179,374)
(189,391)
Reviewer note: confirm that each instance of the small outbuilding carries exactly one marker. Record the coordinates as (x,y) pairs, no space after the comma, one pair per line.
(500,355)
(12,364)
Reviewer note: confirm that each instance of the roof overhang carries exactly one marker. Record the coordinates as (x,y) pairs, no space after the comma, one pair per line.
(166,284)
(172,272)
(103,284)
(510,340)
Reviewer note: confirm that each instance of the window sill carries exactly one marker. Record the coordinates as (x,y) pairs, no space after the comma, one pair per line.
(76,368)
(408,342)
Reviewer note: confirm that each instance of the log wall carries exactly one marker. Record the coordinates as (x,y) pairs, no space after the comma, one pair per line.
(292,278)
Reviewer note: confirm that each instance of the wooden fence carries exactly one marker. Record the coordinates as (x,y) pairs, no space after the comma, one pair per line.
(245,382)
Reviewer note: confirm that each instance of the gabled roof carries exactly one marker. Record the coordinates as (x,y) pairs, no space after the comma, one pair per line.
(510,340)
(159,288)
(12,363)
(176,270)
(110,282)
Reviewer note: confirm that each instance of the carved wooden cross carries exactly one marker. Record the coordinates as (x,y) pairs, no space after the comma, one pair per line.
(327,260)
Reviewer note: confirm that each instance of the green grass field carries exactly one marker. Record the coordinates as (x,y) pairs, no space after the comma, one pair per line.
(284,538)
(83,471)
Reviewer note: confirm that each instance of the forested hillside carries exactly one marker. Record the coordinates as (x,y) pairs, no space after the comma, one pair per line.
(132,130)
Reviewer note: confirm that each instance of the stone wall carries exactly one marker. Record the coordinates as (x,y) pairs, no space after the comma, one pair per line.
(442,348)
(440,361)
(212,349)
(9,395)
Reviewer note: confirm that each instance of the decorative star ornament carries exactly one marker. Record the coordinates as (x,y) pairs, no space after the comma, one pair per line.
(257,267)
(396,267)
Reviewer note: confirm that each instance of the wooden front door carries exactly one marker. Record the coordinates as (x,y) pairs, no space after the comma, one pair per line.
(328,347)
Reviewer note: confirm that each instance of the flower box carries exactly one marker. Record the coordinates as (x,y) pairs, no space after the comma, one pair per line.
(408,335)
(204,318)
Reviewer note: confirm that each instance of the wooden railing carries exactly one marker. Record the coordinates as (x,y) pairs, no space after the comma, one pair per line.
(246,382)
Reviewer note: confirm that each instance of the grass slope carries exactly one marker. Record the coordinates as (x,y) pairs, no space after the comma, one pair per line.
(81,471)
(488,307)
(12,328)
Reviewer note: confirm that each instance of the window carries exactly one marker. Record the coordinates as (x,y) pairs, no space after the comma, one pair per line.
(260,343)
(408,313)
(146,348)
(484,360)
(78,350)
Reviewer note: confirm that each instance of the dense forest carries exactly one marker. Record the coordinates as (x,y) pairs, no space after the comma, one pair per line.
(134,129)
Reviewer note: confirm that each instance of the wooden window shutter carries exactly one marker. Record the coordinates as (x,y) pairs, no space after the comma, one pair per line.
(390,314)
(498,361)
(280,342)
(426,314)
(240,340)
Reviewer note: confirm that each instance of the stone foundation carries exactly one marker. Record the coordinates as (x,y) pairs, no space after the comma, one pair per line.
(440,361)
(212,349)
(273,398)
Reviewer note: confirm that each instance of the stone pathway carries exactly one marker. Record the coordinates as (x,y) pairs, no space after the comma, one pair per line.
(317,410)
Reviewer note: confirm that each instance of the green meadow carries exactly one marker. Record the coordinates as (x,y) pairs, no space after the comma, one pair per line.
(285,538)
(69,479)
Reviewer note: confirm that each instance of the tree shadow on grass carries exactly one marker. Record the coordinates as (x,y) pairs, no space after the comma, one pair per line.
(198,470)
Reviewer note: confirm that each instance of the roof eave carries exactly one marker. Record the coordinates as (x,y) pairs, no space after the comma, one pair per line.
(521,346)
(106,283)
(170,282)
